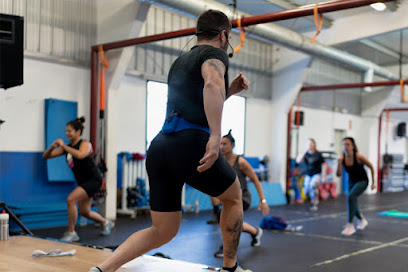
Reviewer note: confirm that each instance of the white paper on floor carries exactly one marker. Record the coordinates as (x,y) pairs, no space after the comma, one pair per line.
(148,263)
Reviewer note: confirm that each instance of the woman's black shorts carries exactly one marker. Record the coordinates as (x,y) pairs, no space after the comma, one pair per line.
(92,186)
(172,160)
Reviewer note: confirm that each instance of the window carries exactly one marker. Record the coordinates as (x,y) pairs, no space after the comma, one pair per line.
(156,109)
(233,115)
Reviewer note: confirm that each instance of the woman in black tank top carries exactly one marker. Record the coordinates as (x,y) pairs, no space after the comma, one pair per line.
(353,163)
(79,156)
(243,170)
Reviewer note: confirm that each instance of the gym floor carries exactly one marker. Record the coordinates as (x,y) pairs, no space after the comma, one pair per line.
(319,246)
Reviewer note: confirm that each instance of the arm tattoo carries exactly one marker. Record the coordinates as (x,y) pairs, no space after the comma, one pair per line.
(217,67)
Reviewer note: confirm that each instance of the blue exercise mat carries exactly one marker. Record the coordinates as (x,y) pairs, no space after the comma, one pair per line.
(394,213)
(57,114)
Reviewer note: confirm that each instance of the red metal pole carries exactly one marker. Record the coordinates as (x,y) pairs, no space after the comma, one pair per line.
(352,85)
(247,21)
(396,109)
(94,98)
(379,154)
(147,39)
(288,145)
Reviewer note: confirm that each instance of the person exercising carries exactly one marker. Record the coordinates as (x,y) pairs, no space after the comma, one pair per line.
(243,170)
(315,174)
(187,148)
(353,163)
(79,155)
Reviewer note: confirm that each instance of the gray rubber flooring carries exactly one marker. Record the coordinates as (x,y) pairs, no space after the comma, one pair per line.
(318,247)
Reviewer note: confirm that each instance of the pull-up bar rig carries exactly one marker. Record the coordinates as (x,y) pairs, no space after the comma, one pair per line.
(247,21)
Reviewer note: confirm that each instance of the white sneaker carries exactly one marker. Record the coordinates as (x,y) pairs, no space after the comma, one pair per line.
(362,224)
(70,237)
(314,208)
(349,230)
(95,269)
(107,227)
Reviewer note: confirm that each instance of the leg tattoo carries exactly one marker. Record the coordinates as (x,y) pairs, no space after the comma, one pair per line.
(235,234)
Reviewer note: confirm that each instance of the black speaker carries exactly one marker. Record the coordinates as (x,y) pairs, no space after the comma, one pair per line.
(387,159)
(402,130)
(300,113)
(11,50)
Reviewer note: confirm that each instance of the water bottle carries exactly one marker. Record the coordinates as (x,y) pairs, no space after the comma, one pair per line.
(4,226)
(196,206)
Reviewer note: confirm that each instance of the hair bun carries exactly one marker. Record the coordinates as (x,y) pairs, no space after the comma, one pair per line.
(81,119)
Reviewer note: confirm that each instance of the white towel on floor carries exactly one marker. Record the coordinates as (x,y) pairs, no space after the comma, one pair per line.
(53,253)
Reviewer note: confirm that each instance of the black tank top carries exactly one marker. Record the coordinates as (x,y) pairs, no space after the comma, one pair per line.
(246,194)
(356,171)
(85,169)
(186,84)
(314,163)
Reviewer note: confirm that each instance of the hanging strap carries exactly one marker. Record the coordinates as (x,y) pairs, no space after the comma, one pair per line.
(241,36)
(104,65)
(298,111)
(318,22)
(386,122)
(402,91)
(102,57)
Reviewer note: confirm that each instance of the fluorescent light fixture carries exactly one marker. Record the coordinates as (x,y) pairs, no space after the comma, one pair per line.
(378,6)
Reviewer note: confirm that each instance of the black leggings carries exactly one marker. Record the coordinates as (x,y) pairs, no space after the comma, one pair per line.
(355,190)
(172,160)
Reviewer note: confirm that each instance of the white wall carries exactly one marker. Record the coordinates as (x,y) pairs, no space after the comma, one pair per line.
(23,107)
(321,125)
(289,65)
(258,127)
(131,121)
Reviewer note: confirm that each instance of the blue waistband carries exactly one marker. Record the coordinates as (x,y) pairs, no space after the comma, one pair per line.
(178,124)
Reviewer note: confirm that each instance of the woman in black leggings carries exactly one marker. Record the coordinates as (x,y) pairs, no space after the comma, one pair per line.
(353,163)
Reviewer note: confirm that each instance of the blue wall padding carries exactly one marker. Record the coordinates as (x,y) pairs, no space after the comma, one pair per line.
(272,191)
(38,207)
(42,215)
(57,114)
(253,161)
(23,178)
(25,189)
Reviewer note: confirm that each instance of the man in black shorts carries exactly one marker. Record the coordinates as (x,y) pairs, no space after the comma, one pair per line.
(187,148)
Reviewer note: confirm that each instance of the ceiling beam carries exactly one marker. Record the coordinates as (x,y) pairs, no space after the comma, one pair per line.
(327,23)
(383,49)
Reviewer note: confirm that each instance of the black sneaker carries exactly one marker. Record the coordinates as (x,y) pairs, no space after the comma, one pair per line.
(213,220)
(219,253)
(256,239)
